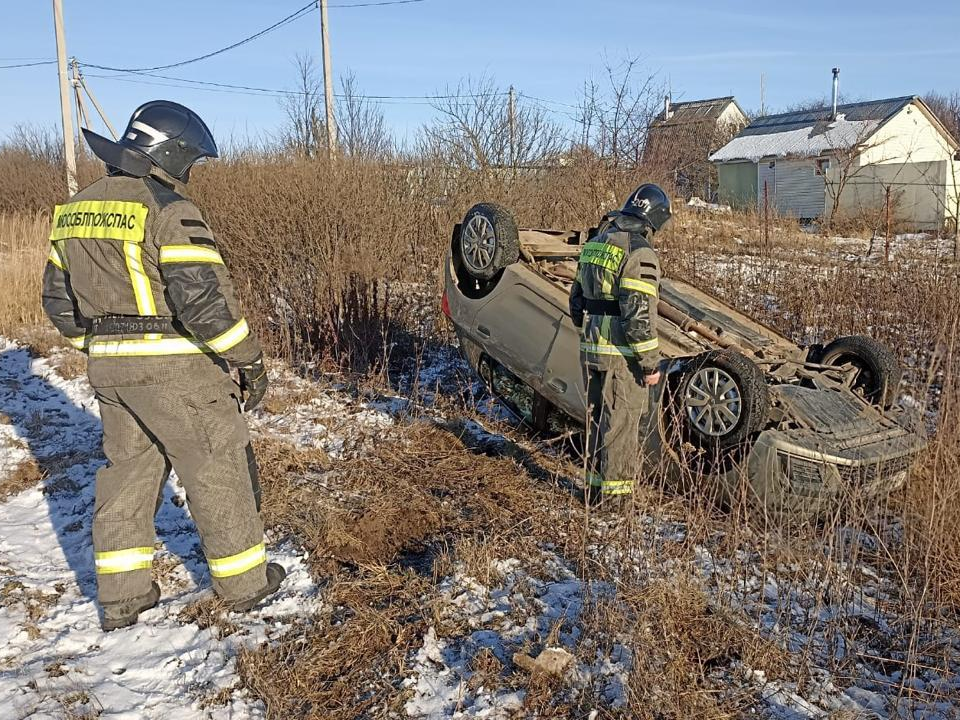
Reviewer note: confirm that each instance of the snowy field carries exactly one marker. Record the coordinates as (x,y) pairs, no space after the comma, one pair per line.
(56,663)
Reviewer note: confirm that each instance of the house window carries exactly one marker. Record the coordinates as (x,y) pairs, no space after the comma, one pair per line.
(823,166)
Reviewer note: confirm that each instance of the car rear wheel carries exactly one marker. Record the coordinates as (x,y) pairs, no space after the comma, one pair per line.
(489,240)
(878,373)
(721,400)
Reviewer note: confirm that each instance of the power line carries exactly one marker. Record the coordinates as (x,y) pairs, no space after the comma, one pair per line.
(267,92)
(254,90)
(296,15)
(375,4)
(305,10)
(29,64)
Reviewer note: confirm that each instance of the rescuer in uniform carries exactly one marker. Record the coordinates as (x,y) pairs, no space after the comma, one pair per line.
(614,302)
(135,280)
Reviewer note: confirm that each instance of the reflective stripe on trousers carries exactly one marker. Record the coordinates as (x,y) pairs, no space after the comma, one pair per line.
(118,561)
(610,487)
(239,563)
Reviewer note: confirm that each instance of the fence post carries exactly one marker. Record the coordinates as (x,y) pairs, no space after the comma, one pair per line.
(886,245)
(766,216)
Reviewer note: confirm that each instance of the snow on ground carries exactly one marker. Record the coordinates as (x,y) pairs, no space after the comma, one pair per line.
(503,619)
(55,658)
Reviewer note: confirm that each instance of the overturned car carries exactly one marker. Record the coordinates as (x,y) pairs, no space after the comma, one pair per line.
(797,430)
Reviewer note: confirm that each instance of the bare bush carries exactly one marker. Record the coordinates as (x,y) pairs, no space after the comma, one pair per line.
(481,127)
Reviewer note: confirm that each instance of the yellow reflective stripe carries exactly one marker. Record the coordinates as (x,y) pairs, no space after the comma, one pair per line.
(137,348)
(645,346)
(80,343)
(133,252)
(232,337)
(118,561)
(100,220)
(239,563)
(603,255)
(616,487)
(640,285)
(56,258)
(606,285)
(604,349)
(189,253)
(609,487)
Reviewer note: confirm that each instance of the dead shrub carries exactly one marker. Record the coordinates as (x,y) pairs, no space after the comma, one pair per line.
(25,476)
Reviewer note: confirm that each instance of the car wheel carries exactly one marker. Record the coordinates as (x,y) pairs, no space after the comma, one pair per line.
(488,240)
(721,400)
(878,372)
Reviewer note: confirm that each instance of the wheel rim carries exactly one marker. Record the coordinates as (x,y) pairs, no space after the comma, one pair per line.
(713,402)
(478,241)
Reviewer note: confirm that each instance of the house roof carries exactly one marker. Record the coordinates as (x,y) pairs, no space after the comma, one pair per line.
(696,110)
(809,133)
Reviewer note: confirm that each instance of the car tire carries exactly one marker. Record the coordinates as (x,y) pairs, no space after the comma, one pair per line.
(879,373)
(721,401)
(488,241)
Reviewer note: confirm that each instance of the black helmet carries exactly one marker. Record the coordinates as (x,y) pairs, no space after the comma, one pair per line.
(649,203)
(162,133)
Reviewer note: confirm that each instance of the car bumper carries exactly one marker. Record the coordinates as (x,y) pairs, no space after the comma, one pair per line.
(797,476)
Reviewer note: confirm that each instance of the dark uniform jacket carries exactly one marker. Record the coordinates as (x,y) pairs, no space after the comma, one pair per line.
(614,298)
(135,250)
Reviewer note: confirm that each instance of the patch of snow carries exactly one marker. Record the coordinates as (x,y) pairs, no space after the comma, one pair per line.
(520,611)
(699,204)
(55,656)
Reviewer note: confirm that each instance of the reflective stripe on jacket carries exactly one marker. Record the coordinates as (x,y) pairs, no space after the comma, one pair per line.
(136,247)
(618,267)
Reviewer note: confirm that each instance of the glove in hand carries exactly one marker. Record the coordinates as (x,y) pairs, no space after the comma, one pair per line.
(253,383)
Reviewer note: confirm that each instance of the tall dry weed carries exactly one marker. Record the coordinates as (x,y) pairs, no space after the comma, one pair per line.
(23,252)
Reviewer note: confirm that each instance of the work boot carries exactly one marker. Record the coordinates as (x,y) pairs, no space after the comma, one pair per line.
(607,504)
(275,576)
(125,612)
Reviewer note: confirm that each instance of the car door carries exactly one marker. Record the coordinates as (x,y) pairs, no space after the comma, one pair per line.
(563,375)
(518,324)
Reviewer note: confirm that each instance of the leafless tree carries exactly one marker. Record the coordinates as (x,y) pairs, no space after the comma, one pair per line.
(361,128)
(946,106)
(679,152)
(846,161)
(614,115)
(304,132)
(479,127)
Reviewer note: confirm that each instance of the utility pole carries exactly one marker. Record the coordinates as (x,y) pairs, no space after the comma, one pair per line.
(69,157)
(328,80)
(96,105)
(512,120)
(83,119)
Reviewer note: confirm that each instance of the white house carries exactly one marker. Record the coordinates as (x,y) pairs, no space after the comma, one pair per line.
(812,164)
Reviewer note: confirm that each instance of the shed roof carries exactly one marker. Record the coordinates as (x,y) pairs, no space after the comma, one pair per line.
(695,110)
(809,133)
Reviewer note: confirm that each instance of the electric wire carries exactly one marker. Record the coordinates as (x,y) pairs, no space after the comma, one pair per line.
(374,4)
(305,10)
(28,64)
(262,91)
(265,92)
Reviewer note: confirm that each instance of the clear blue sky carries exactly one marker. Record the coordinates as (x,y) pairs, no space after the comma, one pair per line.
(546,49)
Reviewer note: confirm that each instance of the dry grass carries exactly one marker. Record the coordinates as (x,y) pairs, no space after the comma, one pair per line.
(23,252)
(25,476)
(339,263)
(453,502)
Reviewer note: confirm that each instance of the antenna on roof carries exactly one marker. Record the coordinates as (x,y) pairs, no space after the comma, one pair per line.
(763,94)
(836,92)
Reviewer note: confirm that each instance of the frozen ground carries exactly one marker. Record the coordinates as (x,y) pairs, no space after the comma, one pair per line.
(56,663)
(55,660)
